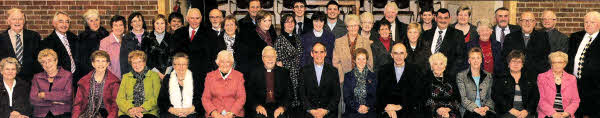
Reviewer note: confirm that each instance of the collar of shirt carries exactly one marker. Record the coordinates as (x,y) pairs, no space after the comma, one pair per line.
(299,20)
(229,37)
(269,70)
(498,29)
(317,33)
(225,77)
(399,71)
(10,90)
(62,37)
(13,34)
(215,29)
(593,36)
(116,39)
(331,25)
(193,29)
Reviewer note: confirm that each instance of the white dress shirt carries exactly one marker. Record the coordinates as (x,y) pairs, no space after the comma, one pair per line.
(578,55)
(10,90)
(499,31)
(435,37)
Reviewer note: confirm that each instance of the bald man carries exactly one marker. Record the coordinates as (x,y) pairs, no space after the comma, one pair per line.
(396,79)
(558,41)
(583,63)
(534,43)
(20,43)
(64,43)
(216,21)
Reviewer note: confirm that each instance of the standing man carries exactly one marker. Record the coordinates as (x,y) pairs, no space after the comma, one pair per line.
(558,41)
(446,40)
(216,21)
(303,23)
(397,28)
(64,43)
(584,52)
(533,43)
(20,43)
(502,27)
(321,91)
(334,23)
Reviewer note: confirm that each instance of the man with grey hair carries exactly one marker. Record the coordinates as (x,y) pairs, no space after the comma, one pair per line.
(532,42)
(584,52)
(397,28)
(267,88)
(558,41)
(64,42)
(20,43)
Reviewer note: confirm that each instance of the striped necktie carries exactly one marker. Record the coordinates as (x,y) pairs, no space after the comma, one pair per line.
(439,42)
(19,50)
(68,48)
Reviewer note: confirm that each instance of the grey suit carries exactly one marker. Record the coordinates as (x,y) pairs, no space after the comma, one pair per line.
(558,41)
(339,29)
(468,90)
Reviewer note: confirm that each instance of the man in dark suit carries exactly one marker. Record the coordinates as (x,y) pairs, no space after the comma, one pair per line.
(558,41)
(584,52)
(192,41)
(396,91)
(321,91)
(446,40)
(21,43)
(334,23)
(397,28)
(502,27)
(533,43)
(248,23)
(64,43)
(216,24)
(267,88)
(303,23)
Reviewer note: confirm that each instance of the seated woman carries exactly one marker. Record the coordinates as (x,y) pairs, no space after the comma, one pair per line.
(516,84)
(475,86)
(360,88)
(139,89)
(97,91)
(443,100)
(224,93)
(180,93)
(52,90)
(15,99)
(555,102)
(347,44)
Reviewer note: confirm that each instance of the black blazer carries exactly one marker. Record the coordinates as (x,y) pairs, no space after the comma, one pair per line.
(31,48)
(512,28)
(499,61)
(252,51)
(419,56)
(89,41)
(53,42)
(587,84)
(165,101)
(472,31)
(403,92)
(327,95)
(401,29)
(131,36)
(536,51)
(256,88)
(181,40)
(504,92)
(381,56)
(159,55)
(307,26)
(127,45)
(245,25)
(20,99)
(452,47)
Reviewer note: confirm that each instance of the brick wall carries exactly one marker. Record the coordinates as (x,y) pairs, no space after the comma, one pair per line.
(569,13)
(39,13)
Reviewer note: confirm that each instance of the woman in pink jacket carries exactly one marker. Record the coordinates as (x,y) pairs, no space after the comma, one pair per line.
(557,103)
(224,93)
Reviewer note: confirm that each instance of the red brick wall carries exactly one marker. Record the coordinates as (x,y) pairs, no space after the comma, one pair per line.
(39,13)
(569,13)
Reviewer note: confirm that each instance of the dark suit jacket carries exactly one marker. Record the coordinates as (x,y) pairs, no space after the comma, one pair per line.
(20,99)
(403,92)
(381,55)
(401,29)
(512,28)
(165,101)
(194,48)
(127,45)
(327,95)
(558,40)
(587,83)
(452,47)
(53,42)
(338,30)
(256,89)
(89,41)
(307,25)
(504,92)
(245,24)
(472,32)
(158,55)
(31,48)
(536,51)
(419,56)
(254,44)
(499,61)
(309,39)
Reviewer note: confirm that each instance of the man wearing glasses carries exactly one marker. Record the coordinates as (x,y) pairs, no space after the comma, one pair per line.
(303,23)
(533,43)
(558,40)
(446,40)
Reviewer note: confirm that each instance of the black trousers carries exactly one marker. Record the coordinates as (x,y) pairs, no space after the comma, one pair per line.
(145,116)
(469,114)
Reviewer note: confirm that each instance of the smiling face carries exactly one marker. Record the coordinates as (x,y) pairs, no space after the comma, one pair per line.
(413,35)
(366,25)
(93,23)
(216,18)
(463,17)
(175,24)
(515,64)
(49,63)
(484,33)
(138,64)
(254,8)
(265,23)
(352,28)
(318,53)
(475,60)
(502,18)
(118,28)
(194,19)
(549,19)
(137,23)
(558,64)
(160,25)
(333,11)
(61,23)
(100,63)
(9,71)
(269,58)
(438,66)
(527,22)
(591,22)
(399,54)
(390,14)
(16,21)
(289,25)
(361,60)
(384,31)
(299,9)
(427,17)
(230,27)
(318,25)
(442,19)
(225,64)
(180,64)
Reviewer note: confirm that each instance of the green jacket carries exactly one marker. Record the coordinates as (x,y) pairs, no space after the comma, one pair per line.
(151,87)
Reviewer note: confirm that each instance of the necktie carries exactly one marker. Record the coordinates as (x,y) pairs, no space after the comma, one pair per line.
(580,64)
(19,49)
(439,42)
(193,33)
(502,37)
(68,48)
(299,28)
(526,39)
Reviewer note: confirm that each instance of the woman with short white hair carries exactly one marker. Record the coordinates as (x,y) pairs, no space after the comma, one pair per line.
(443,96)
(224,93)
(90,39)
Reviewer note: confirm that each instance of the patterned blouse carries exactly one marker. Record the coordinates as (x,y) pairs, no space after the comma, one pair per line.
(443,94)
(290,55)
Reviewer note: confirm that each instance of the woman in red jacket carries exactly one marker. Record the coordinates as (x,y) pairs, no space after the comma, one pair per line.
(224,93)
(97,88)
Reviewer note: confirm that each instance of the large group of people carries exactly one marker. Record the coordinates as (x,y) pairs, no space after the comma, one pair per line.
(321,67)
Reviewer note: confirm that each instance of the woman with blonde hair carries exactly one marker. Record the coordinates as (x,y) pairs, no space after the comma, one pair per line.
(138,93)
(15,91)
(559,97)
(51,90)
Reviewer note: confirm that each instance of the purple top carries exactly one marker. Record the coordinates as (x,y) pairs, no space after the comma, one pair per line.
(138,37)
(58,100)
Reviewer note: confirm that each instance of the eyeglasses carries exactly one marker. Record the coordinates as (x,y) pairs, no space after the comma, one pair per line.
(549,19)
(215,17)
(299,6)
(528,20)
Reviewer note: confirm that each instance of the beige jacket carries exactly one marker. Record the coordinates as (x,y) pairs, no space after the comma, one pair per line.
(342,59)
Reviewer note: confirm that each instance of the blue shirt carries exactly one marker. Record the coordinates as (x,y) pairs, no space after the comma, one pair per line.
(477,99)
(399,71)
(318,71)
